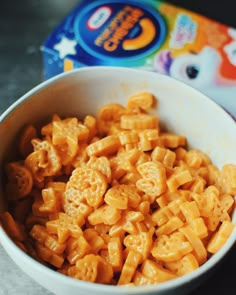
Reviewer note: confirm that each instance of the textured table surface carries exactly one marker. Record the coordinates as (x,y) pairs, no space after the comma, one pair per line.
(23,27)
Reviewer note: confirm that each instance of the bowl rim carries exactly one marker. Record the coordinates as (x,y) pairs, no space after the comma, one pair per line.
(9,245)
(116,69)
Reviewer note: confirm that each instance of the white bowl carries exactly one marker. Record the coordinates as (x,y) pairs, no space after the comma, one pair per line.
(182,109)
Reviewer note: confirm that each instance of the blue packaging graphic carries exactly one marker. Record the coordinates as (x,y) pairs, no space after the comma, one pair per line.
(151,35)
(121,33)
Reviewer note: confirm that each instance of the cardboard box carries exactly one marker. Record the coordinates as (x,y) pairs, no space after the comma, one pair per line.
(150,35)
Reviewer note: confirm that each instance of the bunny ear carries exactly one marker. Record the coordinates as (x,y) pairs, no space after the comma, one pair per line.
(163,61)
(232,33)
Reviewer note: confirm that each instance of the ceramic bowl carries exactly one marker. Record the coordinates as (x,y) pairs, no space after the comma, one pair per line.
(80,92)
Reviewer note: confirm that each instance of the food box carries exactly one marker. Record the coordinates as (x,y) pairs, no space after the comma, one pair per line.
(151,35)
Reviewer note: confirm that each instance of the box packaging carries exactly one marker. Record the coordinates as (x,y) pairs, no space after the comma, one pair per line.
(151,35)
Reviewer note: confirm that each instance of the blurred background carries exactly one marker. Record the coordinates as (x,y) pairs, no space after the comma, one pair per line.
(24,25)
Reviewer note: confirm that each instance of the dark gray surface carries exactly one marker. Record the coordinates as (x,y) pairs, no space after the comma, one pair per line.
(23,27)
